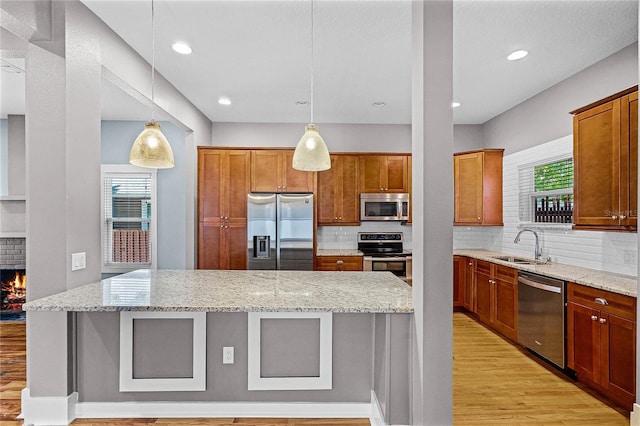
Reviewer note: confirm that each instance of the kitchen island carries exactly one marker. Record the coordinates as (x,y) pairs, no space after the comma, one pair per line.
(185,343)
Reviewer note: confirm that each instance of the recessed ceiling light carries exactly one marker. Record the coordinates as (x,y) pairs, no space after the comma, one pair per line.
(455,104)
(379,104)
(224,101)
(302,103)
(181,47)
(518,54)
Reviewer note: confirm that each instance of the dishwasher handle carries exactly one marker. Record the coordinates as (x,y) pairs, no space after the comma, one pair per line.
(540,286)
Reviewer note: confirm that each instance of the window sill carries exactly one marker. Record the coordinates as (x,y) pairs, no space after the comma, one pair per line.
(546,226)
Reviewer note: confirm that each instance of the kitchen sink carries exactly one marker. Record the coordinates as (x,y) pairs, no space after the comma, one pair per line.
(520,260)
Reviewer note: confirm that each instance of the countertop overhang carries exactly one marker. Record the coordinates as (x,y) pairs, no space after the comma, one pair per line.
(617,283)
(236,291)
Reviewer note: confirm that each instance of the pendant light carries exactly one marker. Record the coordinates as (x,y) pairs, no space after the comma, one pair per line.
(311,153)
(151,148)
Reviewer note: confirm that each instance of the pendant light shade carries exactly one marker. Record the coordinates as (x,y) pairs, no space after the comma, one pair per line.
(151,148)
(311,153)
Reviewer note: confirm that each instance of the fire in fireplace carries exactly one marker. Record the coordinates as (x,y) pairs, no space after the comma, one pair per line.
(14,293)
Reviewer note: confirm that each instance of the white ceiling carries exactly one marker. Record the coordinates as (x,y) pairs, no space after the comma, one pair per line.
(257,53)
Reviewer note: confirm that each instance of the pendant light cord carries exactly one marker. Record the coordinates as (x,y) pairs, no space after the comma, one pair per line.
(153,62)
(312,57)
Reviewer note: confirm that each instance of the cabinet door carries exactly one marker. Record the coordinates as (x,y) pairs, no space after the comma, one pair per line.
(295,180)
(349,199)
(395,173)
(236,184)
(234,254)
(467,170)
(210,176)
(209,245)
(328,196)
(469,285)
(618,357)
(583,342)
(266,172)
(629,161)
(483,291)
(505,316)
(371,173)
(596,152)
(459,270)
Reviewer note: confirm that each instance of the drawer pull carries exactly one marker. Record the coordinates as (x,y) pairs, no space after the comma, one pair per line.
(339,262)
(603,320)
(594,317)
(601,301)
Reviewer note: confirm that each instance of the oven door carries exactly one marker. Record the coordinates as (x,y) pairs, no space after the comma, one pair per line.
(396,265)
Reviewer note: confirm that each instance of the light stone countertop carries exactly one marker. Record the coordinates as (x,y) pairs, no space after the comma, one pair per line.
(339,252)
(236,291)
(617,283)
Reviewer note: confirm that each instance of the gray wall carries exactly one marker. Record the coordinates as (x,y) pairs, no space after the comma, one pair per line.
(98,362)
(338,137)
(4,155)
(117,137)
(467,137)
(545,117)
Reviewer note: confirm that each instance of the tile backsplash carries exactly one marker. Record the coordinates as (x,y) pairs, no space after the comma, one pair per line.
(615,252)
(345,237)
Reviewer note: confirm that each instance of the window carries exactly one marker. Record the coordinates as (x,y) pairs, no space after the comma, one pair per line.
(546,192)
(128,218)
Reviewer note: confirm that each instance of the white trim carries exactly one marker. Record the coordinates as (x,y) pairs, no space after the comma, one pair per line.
(377,418)
(222,409)
(635,415)
(196,383)
(48,410)
(323,381)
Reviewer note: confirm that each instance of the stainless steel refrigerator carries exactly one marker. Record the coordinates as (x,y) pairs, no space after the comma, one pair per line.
(280,231)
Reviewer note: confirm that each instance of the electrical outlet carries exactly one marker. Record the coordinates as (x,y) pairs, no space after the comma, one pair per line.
(78,261)
(630,257)
(227,355)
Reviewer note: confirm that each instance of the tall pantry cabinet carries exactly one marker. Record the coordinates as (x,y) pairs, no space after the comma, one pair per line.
(223,185)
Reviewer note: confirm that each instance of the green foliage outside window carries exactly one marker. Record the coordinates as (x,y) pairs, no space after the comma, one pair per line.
(552,176)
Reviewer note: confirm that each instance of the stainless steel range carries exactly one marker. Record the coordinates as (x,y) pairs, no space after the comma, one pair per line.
(384,251)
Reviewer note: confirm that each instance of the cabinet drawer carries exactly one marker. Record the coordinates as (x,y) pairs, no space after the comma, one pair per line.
(339,263)
(483,267)
(616,304)
(505,273)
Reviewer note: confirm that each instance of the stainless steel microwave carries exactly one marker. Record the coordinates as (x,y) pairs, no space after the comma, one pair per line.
(384,206)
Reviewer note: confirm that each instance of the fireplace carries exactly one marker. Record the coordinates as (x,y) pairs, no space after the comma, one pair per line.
(14,292)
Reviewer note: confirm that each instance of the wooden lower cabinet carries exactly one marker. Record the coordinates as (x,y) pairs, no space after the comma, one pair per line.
(459,264)
(339,263)
(601,341)
(469,292)
(496,297)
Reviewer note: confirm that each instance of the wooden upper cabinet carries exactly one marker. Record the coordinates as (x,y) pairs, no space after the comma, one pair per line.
(223,184)
(478,187)
(338,197)
(272,171)
(383,173)
(605,153)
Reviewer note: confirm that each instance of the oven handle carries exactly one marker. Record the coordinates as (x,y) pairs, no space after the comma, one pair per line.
(540,286)
(386,259)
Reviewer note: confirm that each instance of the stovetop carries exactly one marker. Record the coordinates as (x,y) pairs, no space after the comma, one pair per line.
(381,244)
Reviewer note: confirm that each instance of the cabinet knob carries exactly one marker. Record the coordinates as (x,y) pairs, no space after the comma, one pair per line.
(340,217)
(226,226)
(470,264)
(381,189)
(479,219)
(226,218)
(594,317)
(335,218)
(614,217)
(339,262)
(622,217)
(221,217)
(603,320)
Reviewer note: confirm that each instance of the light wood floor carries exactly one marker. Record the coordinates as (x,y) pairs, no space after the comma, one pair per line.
(494,382)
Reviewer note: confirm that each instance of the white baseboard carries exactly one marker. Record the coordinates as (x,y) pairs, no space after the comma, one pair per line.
(50,411)
(377,418)
(635,415)
(222,409)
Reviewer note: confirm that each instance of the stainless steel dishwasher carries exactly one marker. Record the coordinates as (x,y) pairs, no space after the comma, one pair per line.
(541,328)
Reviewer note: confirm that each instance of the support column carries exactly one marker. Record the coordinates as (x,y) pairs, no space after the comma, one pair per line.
(432,147)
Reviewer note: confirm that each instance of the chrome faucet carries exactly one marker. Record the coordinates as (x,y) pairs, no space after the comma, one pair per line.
(538,253)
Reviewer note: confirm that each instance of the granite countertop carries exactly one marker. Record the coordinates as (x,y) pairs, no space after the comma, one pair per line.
(339,252)
(617,283)
(236,291)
